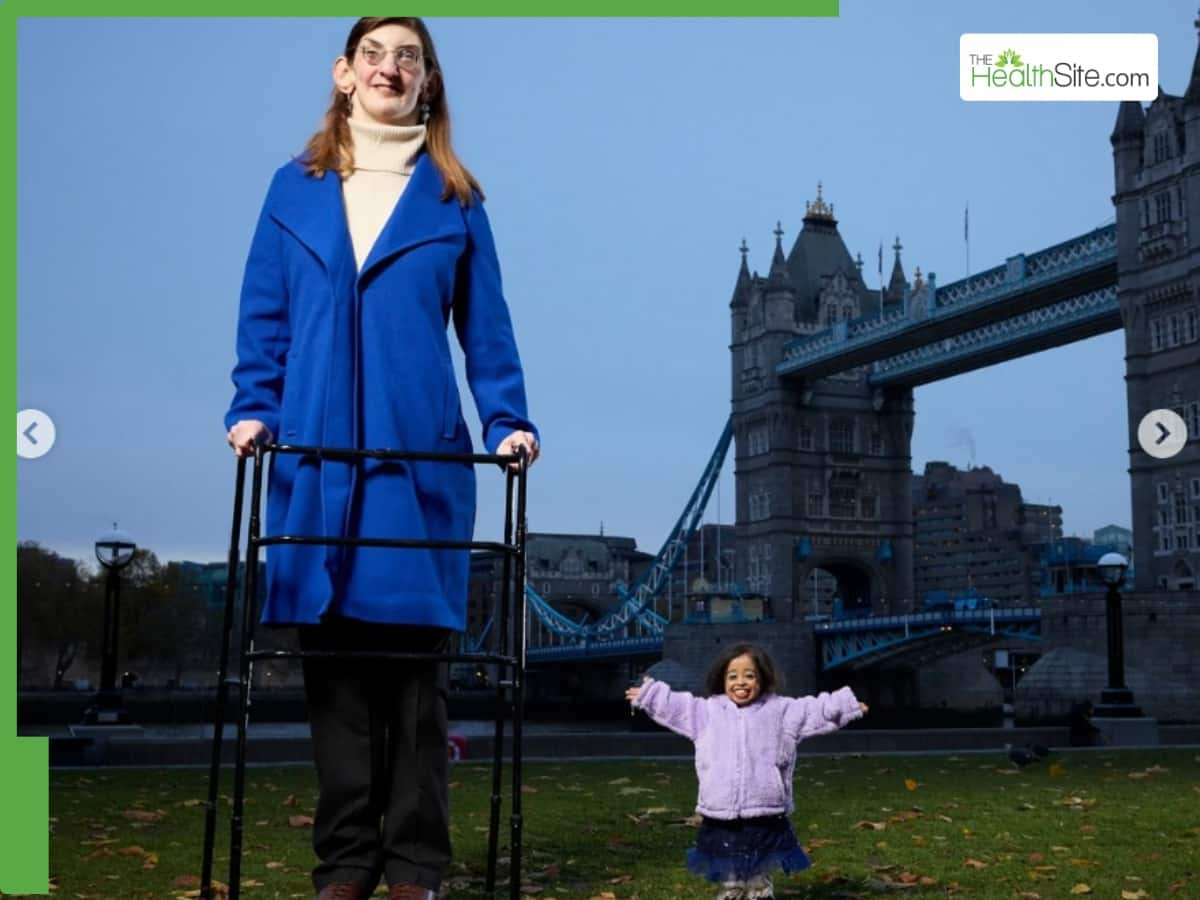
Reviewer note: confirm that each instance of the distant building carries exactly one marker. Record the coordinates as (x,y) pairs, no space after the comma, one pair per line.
(974,533)
(576,573)
(1116,537)
(1068,565)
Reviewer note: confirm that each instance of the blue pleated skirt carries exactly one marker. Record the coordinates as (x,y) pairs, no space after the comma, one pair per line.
(739,849)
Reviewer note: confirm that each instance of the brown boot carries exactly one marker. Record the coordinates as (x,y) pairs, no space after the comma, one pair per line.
(341,890)
(409,892)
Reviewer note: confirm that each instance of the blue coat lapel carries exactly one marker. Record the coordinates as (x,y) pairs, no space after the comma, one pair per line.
(312,209)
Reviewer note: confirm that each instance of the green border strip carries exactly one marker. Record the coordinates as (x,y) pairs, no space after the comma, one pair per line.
(24,772)
(515,8)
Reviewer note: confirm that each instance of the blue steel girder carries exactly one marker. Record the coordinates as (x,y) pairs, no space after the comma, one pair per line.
(1022,284)
(598,649)
(1087,315)
(857,643)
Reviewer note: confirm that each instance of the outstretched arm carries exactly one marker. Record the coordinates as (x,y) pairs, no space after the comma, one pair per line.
(680,711)
(807,717)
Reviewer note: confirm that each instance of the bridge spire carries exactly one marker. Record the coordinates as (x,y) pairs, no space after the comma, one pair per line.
(778,259)
(1191,97)
(779,276)
(897,283)
(741,288)
(818,210)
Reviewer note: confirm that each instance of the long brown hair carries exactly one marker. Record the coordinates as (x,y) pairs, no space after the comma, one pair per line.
(331,149)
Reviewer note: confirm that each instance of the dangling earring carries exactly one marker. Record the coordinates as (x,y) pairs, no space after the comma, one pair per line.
(350,101)
(424,111)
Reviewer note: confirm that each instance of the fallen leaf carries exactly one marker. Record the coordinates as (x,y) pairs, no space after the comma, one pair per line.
(974,864)
(627,791)
(621,879)
(274,865)
(143,815)
(606,895)
(1081,888)
(131,851)
(872,826)
(1035,857)
(1176,886)
(528,789)
(299,821)
(1055,770)
(819,842)
(619,781)
(151,861)
(926,881)
(910,784)
(185,881)
(1133,895)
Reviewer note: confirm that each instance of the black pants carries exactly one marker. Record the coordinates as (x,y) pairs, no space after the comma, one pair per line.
(379,741)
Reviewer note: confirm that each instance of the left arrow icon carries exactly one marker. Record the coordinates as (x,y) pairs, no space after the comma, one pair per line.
(29,444)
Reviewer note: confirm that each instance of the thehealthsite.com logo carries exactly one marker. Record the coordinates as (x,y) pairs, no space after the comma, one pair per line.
(1059,67)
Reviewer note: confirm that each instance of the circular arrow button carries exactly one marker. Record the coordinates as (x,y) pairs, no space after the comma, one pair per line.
(1162,433)
(35,433)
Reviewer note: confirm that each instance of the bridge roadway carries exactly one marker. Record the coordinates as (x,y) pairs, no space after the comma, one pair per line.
(854,642)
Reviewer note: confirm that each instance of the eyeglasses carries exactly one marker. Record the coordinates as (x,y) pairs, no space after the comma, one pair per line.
(407,57)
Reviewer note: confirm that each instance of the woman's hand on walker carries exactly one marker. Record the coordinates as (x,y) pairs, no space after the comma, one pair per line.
(245,434)
(509,446)
(862,708)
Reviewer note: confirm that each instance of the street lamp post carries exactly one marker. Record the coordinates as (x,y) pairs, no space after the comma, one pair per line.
(1116,700)
(114,551)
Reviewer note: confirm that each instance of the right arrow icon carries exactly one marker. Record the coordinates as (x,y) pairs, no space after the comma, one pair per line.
(1162,433)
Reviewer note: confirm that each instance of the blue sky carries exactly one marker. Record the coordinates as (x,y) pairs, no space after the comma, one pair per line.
(624,161)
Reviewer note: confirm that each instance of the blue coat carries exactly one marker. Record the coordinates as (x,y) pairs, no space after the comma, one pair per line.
(330,356)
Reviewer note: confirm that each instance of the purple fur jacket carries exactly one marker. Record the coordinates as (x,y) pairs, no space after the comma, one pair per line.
(745,756)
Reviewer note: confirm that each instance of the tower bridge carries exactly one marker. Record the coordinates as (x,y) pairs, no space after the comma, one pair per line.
(823,369)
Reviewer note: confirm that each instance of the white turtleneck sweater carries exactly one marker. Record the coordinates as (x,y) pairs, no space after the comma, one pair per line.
(384,156)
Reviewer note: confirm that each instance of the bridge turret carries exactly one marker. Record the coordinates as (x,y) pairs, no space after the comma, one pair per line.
(780,294)
(1128,139)
(897,284)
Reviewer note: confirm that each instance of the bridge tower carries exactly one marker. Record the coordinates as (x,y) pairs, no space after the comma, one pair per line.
(823,470)
(1156,156)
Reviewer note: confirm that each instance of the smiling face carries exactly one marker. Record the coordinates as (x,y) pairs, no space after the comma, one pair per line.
(742,684)
(386,77)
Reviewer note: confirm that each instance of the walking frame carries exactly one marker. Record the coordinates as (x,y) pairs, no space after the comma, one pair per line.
(510,660)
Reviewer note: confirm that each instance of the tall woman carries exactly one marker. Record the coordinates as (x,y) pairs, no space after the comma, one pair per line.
(366,248)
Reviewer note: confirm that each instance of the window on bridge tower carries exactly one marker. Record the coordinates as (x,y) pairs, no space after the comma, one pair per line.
(841,436)
(806,436)
(816,503)
(1158,334)
(843,502)
(870,506)
(1162,206)
(1162,146)
(876,444)
(1192,329)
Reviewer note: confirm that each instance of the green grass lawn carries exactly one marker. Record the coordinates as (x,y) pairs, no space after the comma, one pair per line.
(1109,824)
